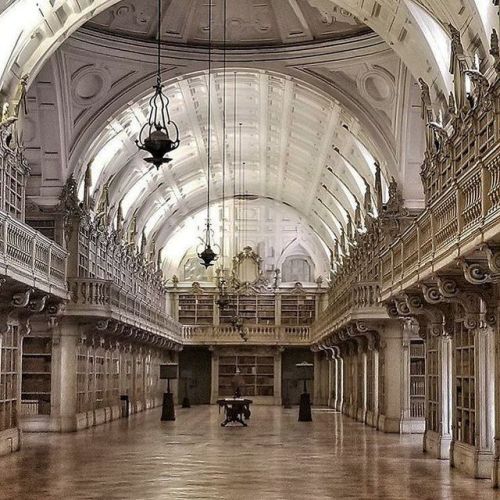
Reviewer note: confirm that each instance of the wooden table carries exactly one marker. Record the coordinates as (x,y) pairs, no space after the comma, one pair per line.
(235,410)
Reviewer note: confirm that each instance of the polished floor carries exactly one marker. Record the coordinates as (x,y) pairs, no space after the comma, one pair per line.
(276,457)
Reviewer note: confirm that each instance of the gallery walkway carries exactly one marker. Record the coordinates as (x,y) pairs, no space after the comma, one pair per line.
(193,458)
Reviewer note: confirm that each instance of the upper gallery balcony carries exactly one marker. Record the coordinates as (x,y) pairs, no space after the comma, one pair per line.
(246,307)
(462,188)
(351,303)
(110,279)
(28,260)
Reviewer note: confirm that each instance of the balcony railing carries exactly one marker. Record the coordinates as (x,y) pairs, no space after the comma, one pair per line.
(361,301)
(31,258)
(255,334)
(464,216)
(103,299)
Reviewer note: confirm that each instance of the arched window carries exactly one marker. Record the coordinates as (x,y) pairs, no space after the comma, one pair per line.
(297,268)
(193,270)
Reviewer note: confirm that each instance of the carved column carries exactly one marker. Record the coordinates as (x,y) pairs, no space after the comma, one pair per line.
(485,400)
(390,418)
(64,379)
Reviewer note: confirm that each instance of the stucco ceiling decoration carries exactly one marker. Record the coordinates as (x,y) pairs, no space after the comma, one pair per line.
(295,142)
(31,33)
(249,23)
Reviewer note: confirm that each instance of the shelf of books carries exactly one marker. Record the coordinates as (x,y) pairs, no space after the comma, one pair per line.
(298,309)
(36,376)
(256,375)
(465,385)
(253,309)
(196,309)
(9,372)
(417,379)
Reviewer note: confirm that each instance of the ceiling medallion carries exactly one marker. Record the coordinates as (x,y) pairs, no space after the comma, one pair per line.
(160,135)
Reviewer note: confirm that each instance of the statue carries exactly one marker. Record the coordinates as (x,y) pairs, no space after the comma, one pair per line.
(71,206)
(357,216)
(427,114)
(378,186)
(9,111)
(495,50)
(458,65)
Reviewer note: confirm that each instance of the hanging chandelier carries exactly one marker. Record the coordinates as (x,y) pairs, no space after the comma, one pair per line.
(208,256)
(160,135)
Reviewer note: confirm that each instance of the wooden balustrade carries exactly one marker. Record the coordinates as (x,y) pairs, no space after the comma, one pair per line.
(104,299)
(28,256)
(255,334)
(466,215)
(350,303)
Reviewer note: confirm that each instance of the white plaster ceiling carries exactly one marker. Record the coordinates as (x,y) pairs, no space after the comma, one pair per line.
(294,146)
(32,31)
(250,23)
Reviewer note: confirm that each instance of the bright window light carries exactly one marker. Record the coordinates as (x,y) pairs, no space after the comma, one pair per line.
(436,36)
(16,25)
(135,191)
(102,159)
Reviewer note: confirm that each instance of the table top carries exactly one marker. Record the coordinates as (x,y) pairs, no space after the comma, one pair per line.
(234,401)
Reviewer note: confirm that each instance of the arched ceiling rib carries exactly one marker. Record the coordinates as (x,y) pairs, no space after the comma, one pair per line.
(30,33)
(289,155)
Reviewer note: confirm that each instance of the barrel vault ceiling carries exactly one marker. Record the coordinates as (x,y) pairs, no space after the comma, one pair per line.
(319,97)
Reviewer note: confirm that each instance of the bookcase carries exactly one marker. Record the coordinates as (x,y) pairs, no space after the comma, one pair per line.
(81,379)
(196,309)
(381,381)
(253,309)
(9,377)
(13,174)
(298,309)
(360,382)
(36,375)
(417,379)
(433,419)
(257,374)
(465,385)
(370,381)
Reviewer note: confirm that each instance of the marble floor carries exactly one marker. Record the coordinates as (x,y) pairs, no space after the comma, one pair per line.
(276,457)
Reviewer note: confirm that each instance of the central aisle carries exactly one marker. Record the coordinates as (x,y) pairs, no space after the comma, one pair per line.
(276,457)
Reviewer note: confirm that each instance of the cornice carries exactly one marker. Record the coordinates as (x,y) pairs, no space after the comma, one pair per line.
(129,48)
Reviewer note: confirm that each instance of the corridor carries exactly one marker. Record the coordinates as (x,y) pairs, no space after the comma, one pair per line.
(276,457)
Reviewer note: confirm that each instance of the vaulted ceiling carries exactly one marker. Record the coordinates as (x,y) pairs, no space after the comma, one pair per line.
(284,141)
(262,23)
(321,88)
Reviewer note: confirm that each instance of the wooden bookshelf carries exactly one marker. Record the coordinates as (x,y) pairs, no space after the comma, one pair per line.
(257,373)
(196,309)
(36,375)
(465,385)
(254,309)
(433,418)
(381,382)
(370,381)
(9,376)
(417,379)
(298,309)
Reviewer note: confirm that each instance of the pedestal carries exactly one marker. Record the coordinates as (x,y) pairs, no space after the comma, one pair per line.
(305,408)
(168,410)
